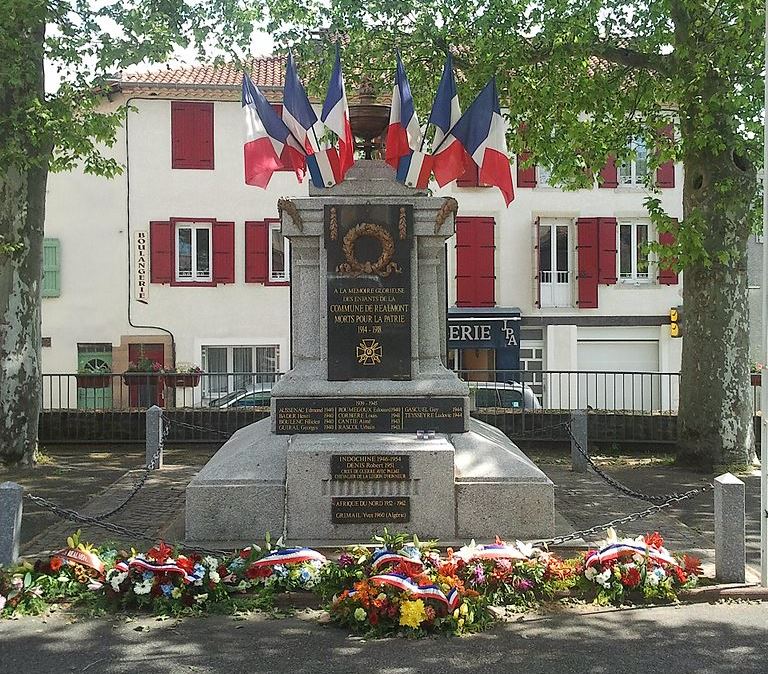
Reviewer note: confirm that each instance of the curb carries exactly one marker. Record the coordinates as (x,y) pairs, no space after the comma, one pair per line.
(750,591)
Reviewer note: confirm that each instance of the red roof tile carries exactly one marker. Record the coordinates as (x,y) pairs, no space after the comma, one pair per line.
(266,72)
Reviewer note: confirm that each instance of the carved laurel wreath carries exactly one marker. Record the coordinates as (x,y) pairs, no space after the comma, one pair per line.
(383,267)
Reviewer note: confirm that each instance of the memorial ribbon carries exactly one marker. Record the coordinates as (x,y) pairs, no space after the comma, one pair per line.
(382,558)
(290,556)
(417,591)
(614,551)
(155,567)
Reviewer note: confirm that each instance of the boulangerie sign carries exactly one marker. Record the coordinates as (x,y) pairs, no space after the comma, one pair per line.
(141,261)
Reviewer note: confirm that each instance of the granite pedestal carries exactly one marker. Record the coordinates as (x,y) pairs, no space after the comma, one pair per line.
(340,457)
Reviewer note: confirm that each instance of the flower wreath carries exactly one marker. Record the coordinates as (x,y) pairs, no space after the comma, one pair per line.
(383,267)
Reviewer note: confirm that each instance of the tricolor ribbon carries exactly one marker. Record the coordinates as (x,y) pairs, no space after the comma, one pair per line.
(153,567)
(290,556)
(405,584)
(490,552)
(382,558)
(614,551)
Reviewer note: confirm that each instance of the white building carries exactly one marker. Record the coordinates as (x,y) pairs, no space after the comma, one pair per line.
(178,260)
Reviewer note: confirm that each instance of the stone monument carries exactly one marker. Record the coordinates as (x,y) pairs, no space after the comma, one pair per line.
(368,429)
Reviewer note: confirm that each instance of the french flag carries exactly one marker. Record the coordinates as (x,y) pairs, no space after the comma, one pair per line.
(301,120)
(269,145)
(404,135)
(481,130)
(335,116)
(449,159)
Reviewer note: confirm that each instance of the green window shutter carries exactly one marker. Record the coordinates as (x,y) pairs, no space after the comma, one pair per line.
(51,268)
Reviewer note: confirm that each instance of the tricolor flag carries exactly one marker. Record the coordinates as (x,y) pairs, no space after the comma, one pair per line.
(335,116)
(481,130)
(269,145)
(449,160)
(301,119)
(404,135)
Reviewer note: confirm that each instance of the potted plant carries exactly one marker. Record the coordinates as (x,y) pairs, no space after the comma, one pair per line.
(141,371)
(94,374)
(184,374)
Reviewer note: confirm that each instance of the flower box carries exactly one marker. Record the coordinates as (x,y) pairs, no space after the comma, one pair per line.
(139,378)
(188,379)
(93,380)
(754,378)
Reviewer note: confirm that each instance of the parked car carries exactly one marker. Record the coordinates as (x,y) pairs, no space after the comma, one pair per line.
(254,396)
(500,394)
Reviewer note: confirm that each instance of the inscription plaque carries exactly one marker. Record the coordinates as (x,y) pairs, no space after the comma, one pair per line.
(368,415)
(370,509)
(370,467)
(369,291)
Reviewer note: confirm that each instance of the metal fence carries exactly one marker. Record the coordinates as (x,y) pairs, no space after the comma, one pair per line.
(625,407)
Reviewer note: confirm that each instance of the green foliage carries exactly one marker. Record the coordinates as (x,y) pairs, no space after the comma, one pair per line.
(578,81)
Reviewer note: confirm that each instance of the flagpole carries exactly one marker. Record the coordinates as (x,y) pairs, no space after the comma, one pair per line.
(764,327)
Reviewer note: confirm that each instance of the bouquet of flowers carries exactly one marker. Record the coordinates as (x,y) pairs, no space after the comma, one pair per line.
(641,568)
(403,586)
(162,581)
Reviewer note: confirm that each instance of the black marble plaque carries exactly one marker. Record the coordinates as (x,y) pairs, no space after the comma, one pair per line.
(370,509)
(369,291)
(370,467)
(368,415)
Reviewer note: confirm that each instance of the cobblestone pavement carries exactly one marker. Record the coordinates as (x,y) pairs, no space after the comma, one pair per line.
(93,483)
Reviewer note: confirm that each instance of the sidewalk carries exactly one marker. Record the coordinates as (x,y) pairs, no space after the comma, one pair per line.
(96,483)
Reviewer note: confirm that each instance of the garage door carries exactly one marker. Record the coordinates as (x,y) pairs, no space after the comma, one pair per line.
(611,374)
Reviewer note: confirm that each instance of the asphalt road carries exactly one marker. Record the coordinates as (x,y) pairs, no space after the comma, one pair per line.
(701,638)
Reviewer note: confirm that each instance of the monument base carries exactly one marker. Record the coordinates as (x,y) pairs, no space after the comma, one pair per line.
(334,489)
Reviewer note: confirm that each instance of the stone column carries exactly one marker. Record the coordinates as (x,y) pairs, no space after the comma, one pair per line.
(431,312)
(730,541)
(306,300)
(11,495)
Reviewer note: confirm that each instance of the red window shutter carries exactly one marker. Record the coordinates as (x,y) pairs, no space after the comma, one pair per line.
(609,174)
(667,276)
(465,263)
(161,252)
(485,258)
(606,257)
(665,174)
(256,251)
(537,262)
(526,177)
(223,240)
(470,177)
(587,248)
(191,135)
(475,262)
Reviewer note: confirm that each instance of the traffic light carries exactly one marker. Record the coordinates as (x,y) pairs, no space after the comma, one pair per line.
(676,322)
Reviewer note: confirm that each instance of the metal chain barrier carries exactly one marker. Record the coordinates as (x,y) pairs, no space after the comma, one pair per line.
(173,422)
(533,432)
(651,498)
(558,540)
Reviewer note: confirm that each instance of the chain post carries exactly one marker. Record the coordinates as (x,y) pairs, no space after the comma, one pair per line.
(154,438)
(579,439)
(11,496)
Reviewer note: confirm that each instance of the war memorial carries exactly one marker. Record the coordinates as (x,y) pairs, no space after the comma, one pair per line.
(369,428)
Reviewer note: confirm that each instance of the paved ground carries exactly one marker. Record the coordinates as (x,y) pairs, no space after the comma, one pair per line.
(704,638)
(94,482)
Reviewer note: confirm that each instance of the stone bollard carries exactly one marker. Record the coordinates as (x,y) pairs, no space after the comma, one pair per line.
(11,496)
(730,542)
(154,437)
(579,462)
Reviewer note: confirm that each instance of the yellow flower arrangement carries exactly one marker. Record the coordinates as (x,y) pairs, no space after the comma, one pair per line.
(412,613)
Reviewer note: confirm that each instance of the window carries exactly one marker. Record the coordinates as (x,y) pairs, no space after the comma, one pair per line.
(555,264)
(634,263)
(279,254)
(193,251)
(51,268)
(634,171)
(544,176)
(191,135)
(238,368)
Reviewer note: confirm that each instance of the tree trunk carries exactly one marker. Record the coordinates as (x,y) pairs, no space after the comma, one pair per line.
(715,413)
(23,180)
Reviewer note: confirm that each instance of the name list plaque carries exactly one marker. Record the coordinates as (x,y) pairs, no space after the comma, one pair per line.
(369,291)
(370,467)
(370,509)
(368,415)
